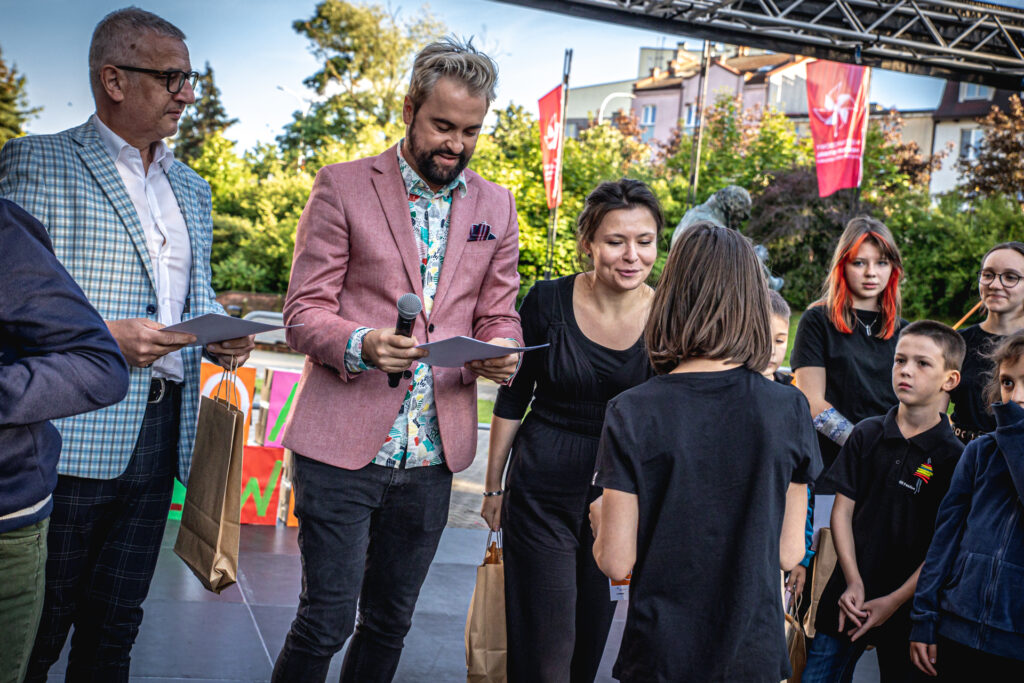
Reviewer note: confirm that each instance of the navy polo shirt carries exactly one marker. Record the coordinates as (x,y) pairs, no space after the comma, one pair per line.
(896,485)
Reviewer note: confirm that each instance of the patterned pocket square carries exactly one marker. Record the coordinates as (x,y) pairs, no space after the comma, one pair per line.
(480,232)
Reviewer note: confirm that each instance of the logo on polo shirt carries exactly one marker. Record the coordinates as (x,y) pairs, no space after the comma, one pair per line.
(922,475)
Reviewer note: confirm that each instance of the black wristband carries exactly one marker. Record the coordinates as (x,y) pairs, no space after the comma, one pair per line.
(488,494)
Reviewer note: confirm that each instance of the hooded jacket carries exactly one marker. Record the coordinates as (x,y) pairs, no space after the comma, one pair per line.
(970,588)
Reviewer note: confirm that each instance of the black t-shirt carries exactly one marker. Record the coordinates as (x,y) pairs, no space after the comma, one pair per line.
(896,485)
(858,368)
(969,406)
(710,456)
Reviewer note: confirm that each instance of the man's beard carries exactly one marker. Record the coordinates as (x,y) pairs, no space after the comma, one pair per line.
(425,164)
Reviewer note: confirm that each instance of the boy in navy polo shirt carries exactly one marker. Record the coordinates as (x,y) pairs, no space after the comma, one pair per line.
(889,478)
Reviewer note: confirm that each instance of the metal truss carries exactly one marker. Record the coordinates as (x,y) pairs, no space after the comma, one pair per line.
(956,40)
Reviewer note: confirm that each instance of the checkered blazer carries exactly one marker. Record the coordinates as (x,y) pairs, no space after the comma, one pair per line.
(70,184)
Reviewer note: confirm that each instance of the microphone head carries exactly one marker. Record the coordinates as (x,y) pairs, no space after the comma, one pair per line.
(409,305)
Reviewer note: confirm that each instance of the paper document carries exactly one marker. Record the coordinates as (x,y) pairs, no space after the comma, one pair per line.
(457,351)
(214,327)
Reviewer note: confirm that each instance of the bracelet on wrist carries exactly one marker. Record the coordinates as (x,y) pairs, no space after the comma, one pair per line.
(488,494)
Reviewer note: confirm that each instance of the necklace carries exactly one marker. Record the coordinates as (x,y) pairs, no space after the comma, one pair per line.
(867,326)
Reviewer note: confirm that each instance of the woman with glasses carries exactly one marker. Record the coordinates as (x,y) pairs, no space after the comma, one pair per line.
(1002,294)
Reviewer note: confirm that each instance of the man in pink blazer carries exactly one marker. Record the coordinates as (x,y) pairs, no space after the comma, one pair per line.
(373,464)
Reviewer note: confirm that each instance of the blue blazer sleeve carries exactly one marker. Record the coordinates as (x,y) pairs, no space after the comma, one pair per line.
(57,357)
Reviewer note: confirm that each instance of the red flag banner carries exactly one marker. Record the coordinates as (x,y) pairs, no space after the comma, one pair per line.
(837,102)
(551,121)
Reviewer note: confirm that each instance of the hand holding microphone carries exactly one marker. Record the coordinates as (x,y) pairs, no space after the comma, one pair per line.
(392,350)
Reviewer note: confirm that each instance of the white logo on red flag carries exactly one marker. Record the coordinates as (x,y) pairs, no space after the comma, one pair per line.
(837,97)
(836,110)
(551,144)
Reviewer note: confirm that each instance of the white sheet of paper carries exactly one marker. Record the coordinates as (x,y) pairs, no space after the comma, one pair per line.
(618,590)
(214,327)
(457,351)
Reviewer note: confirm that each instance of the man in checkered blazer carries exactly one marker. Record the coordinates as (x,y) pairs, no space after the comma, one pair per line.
(133,227)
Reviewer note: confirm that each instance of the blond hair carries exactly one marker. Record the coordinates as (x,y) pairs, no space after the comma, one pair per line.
(460,61)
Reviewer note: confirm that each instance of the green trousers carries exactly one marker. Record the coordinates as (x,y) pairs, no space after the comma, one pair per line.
(22,566)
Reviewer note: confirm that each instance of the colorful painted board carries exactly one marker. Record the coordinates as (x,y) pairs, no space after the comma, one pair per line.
(261,479)
(283,386)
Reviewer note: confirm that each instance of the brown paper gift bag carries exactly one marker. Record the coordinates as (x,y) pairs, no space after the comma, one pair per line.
(485,622)
(208,536)
(795,642)
(824,563)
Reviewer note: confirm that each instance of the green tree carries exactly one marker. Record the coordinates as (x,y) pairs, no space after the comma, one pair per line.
(740,147)
(366,54)
(998,167)
(206,118)
(801,229)
(510,156)
(942,246)
(14,109)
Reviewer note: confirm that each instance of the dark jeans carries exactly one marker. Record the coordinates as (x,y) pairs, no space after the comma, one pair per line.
(367,534)
(22,564)
(833,660)
(103,545)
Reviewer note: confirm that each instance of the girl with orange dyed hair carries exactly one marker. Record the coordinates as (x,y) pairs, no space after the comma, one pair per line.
(843,350)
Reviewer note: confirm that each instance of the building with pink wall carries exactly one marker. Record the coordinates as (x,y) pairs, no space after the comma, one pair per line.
(667,99)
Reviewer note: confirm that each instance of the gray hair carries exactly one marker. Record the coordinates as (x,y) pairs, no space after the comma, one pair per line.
(452,58)
(113,41)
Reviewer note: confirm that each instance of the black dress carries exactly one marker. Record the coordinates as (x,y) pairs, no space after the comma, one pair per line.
(970,409)
(558,606)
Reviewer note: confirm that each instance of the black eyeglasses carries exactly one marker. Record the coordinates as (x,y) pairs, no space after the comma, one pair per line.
(175,78)
(1008,280)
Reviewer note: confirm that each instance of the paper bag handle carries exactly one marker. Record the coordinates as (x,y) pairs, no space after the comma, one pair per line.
(230,377)
(494,552)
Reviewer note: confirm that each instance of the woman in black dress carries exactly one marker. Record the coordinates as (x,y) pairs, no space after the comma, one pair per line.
(558,605)
(1002,293)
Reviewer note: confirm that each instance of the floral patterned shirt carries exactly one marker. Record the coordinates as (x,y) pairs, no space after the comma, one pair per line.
(415,435)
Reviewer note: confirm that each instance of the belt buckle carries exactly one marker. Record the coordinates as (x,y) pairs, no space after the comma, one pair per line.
(162,383)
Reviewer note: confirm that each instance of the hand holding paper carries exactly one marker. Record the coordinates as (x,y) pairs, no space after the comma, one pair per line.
(458,351)
(213,327)
(232,351)
(143,341)
(499,369)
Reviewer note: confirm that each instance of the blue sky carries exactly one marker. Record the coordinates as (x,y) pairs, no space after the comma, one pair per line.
(253,50)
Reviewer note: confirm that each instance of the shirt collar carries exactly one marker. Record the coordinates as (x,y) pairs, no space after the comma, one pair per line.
(931,442)
(414,184)
(114,145)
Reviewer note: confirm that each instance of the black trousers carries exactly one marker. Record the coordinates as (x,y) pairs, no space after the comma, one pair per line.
(956,663)
(367,535)
(103,544)
(557,602)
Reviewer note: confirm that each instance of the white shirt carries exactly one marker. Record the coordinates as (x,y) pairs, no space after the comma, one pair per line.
(170,251)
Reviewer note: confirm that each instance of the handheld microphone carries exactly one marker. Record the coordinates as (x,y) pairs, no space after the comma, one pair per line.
(409,306)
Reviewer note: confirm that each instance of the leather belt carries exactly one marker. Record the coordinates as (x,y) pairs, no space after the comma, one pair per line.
(160,388)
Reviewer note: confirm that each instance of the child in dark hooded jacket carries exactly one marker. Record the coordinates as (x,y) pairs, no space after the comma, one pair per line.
(968,612)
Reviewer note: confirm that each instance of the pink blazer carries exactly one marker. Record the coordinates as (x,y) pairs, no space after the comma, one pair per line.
(355,254)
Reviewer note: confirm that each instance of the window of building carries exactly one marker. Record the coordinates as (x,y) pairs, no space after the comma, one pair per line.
(690,120)
(974,91)
(971,140)
(647,115)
